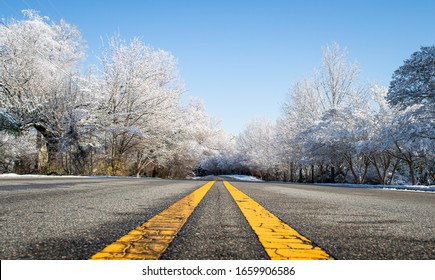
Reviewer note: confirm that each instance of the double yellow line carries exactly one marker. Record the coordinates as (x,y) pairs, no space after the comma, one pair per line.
(151,239)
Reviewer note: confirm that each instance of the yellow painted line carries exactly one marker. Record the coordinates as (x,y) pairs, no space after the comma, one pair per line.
(150,240)
(280,241)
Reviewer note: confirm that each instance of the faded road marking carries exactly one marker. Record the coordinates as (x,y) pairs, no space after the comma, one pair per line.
(150,240)
(280,241)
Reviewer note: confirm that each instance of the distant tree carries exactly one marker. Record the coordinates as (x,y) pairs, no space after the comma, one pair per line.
(331,86)
(336,77)
(414,81)
(379,147)
(302,109)
(303,106)
(316,100)
(195,137)
(257,144)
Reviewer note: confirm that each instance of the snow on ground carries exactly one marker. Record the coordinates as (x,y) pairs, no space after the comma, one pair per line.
(13,175)
(243,178)
(421,188)
(234,177)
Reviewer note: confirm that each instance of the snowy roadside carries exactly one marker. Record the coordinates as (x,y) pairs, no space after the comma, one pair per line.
(243,178)
(420,188)
(234,177)
(13,175)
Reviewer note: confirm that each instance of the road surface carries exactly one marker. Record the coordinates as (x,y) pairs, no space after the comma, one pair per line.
(75,218)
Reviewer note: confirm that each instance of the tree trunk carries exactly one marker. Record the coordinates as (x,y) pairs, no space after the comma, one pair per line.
(366,168)
(411,171)
(40,147)
(355,176)
(378,171)
(312,174)
(300,175)
(332,174)
(393,172)
(53,147)
(321,173)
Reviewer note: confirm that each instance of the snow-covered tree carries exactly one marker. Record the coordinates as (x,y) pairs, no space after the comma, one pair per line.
(412,141)
(302,109)
(414,81)
(336,77)
(257,144)
(199,139)
(138,95)
(378,146)
(303,106)
(123,117)
(313,112)
(18,152)
(412,133)
(354,130)
(38,82)
(331,86)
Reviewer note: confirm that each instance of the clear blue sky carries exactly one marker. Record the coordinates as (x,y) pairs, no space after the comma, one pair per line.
(241,57)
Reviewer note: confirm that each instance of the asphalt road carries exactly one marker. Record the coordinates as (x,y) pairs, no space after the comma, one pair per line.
(73,218)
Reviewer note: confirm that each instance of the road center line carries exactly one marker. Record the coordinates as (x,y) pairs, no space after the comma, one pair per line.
(150,240)
(280,241)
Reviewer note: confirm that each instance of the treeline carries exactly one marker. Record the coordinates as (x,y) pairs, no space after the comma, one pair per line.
(335,128)
(125,116)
